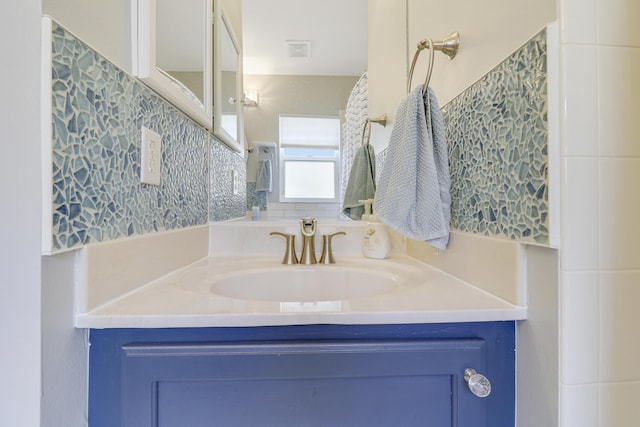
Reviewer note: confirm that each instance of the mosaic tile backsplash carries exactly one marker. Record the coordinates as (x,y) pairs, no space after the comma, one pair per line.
(496,130)
(497,136)
(256,198)
(98,111)
(224,204)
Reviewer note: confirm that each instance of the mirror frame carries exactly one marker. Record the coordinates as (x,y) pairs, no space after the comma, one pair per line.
(143,25)
(222,23)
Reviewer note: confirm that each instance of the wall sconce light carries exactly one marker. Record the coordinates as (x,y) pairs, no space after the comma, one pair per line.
(251,98)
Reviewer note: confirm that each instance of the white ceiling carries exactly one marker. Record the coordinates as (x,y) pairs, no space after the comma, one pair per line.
(337,30)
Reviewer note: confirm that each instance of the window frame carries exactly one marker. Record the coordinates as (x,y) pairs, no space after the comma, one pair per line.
(284,158)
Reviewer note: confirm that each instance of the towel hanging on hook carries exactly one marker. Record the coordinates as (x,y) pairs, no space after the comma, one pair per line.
(448,46)
(366,136)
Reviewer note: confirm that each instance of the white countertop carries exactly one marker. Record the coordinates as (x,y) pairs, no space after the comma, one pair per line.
(179,300)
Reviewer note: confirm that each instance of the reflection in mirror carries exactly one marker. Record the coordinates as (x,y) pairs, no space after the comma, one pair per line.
(303,58)
(227,83)
(180,44)
(229,69)
(172,50)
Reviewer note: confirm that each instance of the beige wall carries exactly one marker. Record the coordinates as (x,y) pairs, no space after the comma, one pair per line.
(310,95)
(537,351)
(103,24)
(490,31)
(192,80)
(387,56)
(233,9)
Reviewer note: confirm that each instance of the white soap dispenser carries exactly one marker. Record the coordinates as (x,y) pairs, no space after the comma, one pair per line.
(375,239)
(367,208)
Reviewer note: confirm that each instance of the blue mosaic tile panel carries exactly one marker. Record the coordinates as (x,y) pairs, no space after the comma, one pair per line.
(98,111)
(256,198)
(497,136)
(225,205)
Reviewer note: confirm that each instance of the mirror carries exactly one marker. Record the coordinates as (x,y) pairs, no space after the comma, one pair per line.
(227,89)
(172,53)
(302,57)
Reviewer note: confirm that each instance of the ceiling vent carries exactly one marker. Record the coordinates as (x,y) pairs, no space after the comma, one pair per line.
(298,49)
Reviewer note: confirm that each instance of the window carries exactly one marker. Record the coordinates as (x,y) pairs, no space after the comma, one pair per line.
(309,158)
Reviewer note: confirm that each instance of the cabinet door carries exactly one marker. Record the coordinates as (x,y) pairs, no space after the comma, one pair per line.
(341,383)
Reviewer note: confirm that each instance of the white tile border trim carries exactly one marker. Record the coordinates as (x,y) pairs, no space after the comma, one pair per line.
(46,149)
(553,121)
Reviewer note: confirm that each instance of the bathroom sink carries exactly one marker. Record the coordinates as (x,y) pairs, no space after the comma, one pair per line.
(305,284)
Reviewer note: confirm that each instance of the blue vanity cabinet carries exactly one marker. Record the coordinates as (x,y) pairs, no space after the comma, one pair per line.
(313,375)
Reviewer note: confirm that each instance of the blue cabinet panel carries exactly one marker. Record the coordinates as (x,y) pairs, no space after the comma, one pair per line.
(349,402)
(318,375)
(351,383)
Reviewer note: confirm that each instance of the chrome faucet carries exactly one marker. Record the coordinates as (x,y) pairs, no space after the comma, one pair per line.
(308,230)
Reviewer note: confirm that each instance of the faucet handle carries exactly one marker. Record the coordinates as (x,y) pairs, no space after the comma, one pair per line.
(290,250)
(327,251)
(308,226)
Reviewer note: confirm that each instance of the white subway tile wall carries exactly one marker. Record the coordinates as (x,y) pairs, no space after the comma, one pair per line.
(600,280)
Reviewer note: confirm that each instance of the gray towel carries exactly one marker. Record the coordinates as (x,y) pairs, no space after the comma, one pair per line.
(413,193)
(264,181)
(361,184)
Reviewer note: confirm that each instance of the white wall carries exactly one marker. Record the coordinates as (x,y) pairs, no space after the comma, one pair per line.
(20,215)
(600,257)
(64,348)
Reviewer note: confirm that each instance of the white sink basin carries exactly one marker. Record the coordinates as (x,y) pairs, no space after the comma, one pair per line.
(303,284)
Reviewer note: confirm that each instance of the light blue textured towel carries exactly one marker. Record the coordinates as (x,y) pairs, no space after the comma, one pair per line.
(413,193)
(362,184)
(264,181)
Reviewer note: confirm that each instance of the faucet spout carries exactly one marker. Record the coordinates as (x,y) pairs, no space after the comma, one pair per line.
(308,230)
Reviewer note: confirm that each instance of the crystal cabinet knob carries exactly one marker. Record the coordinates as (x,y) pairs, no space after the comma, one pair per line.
(478,383)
